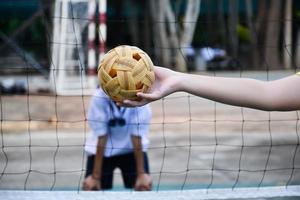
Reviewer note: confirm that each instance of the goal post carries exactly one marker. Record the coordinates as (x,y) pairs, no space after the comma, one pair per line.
(72,71)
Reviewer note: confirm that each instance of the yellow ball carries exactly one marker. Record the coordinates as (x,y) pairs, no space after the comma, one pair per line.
(124,71)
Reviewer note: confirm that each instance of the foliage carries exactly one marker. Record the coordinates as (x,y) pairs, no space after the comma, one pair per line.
(243,33)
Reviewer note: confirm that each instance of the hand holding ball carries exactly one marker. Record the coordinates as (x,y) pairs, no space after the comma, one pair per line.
(124,71)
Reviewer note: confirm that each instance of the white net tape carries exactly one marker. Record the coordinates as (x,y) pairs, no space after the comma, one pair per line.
(239,193)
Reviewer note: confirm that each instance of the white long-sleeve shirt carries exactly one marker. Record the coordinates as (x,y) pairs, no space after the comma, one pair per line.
(102,109)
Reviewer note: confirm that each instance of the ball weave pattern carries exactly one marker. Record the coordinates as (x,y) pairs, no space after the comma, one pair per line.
(124,71)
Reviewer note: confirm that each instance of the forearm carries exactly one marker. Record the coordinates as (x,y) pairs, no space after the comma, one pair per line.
(139,155)
(234,91)
(97,168)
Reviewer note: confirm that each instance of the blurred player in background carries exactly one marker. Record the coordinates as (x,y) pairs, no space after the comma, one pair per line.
(118,139)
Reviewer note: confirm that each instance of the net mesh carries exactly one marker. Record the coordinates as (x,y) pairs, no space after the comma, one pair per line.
(199,148)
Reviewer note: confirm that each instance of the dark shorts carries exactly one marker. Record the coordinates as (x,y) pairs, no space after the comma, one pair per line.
(126,163)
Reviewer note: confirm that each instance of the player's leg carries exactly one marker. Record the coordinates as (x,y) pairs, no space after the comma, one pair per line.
(107,173)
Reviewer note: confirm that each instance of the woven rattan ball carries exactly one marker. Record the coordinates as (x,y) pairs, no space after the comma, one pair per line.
(124,71)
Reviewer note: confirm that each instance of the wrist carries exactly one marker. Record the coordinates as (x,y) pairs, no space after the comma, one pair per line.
(180,80)
(95,177)
(142,174)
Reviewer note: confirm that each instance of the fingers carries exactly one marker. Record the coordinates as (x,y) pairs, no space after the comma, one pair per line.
(140,189)
(150,186)
(130,103)
(135,103)
(143,184)
(89,185)
(145,99)
(147,96)
(143,187)
(86,187)
(96,188)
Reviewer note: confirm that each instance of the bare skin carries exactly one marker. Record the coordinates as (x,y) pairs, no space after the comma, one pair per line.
(278,95)
(92,182)
(143,181)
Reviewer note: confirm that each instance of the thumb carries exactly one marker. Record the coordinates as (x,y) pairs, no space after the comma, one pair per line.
(148,96)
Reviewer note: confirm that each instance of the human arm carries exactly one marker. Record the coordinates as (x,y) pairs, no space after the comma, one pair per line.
(93,181)
(143,180)
(278,95)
